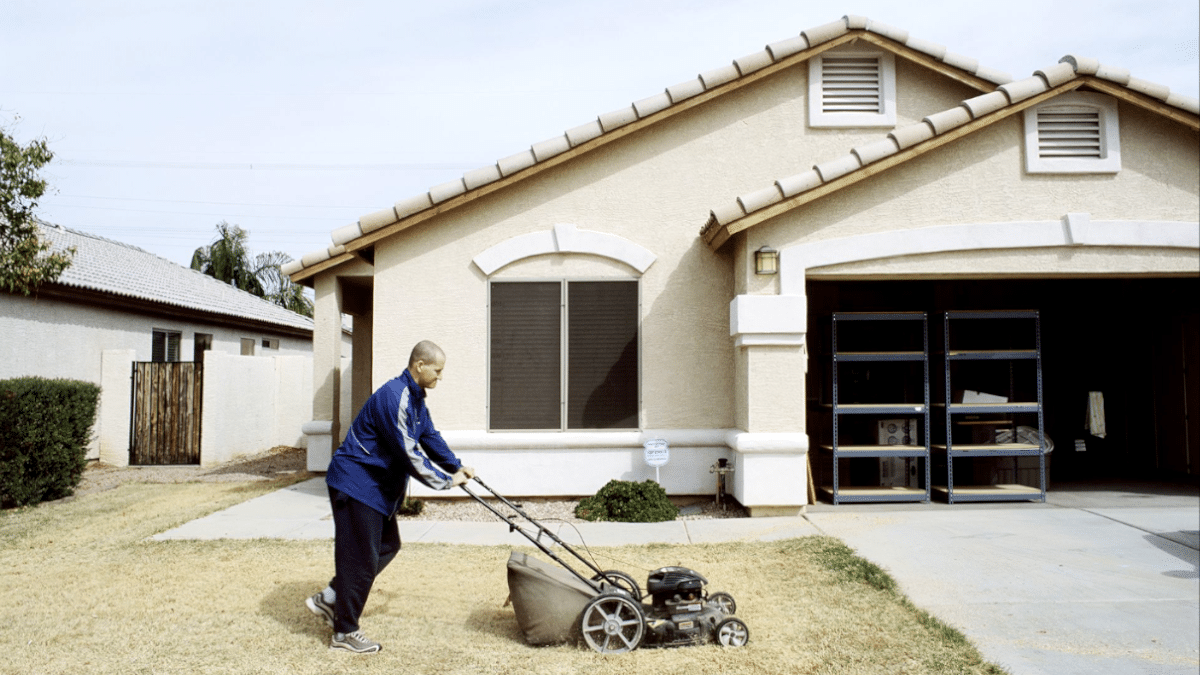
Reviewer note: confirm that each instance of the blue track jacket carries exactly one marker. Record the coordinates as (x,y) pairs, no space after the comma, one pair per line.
(391,439)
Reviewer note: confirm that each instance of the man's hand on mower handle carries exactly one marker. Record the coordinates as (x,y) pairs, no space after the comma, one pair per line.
(461,476)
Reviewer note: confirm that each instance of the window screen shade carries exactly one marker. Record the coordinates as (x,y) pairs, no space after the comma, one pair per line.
(528,355)
(851,84)
(526,348)
(1069,133)
(602,355)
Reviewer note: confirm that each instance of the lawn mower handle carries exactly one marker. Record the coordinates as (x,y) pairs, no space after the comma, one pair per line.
(541,530)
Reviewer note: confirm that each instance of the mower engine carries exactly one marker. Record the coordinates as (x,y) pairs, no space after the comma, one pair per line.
(681,612)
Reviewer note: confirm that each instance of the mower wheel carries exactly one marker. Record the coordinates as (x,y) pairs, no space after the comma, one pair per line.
(725,602)
(613,623)
(732,632)
(622,581)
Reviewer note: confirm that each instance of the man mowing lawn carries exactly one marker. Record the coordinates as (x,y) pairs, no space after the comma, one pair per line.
(392,438)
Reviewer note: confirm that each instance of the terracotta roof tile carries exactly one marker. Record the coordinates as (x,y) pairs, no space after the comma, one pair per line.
(414,204)
(481,176)
(618,118)
(873,152)
(378,219)
(801,182)
(825,32)
(948,119)
(514,163)
(1023,89)
(785,48)
(348,233)
(910,135)
(652,104)
(440,193)
(836,168)
(760,199)
(685,90)
(752,62)
(719,76)
(550,147)
(986,103)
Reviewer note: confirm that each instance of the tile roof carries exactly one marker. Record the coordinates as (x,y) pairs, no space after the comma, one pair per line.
(675,95)
(1073,71)
(127,271)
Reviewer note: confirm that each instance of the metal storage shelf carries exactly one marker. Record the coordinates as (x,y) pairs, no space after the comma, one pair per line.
(838,451)
(951,450)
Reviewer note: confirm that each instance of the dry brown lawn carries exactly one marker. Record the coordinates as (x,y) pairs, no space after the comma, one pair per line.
(85,591)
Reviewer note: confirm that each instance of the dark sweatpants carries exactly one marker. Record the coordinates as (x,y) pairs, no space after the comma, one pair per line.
(364,542)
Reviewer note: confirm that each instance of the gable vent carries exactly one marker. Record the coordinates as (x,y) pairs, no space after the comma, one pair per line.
(851,84)
(1069,133)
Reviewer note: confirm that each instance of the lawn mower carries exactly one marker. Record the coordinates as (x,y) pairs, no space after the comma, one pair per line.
(608,610)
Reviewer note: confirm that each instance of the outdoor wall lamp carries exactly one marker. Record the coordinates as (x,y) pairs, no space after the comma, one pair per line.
(766,261)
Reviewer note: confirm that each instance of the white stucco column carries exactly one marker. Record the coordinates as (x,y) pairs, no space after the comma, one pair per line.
(112,421)
(324,432)
(771,448)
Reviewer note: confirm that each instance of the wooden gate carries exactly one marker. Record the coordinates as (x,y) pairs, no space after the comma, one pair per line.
(165,424)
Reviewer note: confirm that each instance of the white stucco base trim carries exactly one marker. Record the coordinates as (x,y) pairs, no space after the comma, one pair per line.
(577,464)
(319,436)
(1074,229)
(564,239)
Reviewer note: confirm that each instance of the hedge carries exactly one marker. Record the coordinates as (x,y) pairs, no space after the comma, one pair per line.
(628,502)
(45,426)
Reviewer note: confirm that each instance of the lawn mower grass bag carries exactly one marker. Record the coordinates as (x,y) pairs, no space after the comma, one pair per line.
(548,600)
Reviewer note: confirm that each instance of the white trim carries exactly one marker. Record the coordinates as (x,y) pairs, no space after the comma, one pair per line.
(1081,103)
(564,239)
(768,320)
(559,440)
(1075,229)
(818,117)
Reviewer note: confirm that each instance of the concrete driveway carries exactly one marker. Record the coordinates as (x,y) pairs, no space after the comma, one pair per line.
(1099,579)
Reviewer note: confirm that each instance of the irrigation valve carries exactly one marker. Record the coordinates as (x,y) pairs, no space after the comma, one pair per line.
(721,468)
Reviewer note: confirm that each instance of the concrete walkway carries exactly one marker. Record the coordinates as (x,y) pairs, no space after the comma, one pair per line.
(1099,579)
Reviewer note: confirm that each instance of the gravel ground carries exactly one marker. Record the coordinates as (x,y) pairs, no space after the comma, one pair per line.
(282,461)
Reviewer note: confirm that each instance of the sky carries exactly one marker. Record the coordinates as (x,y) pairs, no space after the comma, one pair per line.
(292,118)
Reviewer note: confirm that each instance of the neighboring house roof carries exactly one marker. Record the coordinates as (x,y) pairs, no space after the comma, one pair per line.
(935,130)
(623,121)
(146,281)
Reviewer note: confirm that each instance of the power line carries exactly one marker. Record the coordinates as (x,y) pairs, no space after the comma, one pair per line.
(265,166)
(187,213)
(193,201)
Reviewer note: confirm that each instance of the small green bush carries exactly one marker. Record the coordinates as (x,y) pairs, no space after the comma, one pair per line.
(411,507)
(45,426)
(628,502)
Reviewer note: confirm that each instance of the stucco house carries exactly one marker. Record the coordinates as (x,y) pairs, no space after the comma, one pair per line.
(671,269)
(118,304)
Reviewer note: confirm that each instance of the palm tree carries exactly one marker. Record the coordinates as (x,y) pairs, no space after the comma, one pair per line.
(227,259)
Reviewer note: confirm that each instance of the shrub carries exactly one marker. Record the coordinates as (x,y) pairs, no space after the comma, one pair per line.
(411,507)
(628,502)
(45,426)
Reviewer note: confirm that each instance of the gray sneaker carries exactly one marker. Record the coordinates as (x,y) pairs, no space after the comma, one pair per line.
(354,642)
(317,605)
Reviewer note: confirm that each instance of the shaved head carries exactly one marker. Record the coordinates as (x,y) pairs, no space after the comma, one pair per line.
(426,351)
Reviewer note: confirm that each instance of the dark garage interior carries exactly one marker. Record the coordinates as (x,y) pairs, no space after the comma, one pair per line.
(1136,340)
